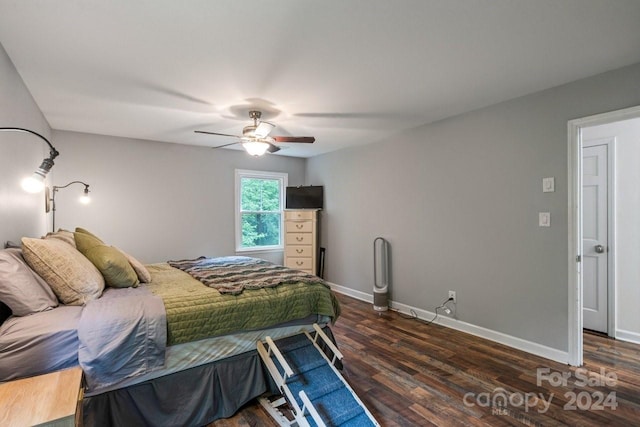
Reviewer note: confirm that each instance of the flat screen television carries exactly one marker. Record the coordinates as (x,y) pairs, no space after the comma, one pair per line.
(305,197)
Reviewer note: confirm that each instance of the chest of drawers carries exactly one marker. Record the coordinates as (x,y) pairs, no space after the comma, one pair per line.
(301,240)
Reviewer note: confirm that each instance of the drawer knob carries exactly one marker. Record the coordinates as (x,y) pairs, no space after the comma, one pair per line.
(299,226)
(299,263)
(299,239)
(299,251)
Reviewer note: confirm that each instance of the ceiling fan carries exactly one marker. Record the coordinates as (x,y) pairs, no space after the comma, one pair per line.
(255,138)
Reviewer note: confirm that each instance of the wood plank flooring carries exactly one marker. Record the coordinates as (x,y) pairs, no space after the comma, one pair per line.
(412,374)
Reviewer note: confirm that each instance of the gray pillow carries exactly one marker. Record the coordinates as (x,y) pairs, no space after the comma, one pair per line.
(21,288)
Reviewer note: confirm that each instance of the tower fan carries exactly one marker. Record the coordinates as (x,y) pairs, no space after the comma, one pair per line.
(380,274)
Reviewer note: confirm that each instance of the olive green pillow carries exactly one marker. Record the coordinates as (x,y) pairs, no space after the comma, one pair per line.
(84,241)
(113,265)
(83,231)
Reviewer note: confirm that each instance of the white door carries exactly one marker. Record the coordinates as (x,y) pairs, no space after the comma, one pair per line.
(594,237)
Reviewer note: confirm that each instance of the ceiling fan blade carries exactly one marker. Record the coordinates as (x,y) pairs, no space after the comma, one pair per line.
(226,145)
(263,129)
(272,148)
(302,139)
(216,133)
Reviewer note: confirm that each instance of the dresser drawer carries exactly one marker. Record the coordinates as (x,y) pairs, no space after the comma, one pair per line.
(299,226)
(299,251)
(299,238)
(299,214)
(299,263)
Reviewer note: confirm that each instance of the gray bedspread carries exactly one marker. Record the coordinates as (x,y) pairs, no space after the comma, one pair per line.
(123,334)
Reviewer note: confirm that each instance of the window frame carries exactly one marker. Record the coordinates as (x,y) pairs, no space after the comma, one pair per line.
(283,177)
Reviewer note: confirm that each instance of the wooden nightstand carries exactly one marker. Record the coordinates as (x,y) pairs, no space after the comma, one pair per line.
(53,399)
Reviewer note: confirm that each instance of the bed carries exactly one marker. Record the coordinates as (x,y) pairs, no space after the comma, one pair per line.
(171,352)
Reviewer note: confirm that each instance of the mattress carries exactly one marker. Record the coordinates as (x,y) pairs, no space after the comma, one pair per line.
(181,357)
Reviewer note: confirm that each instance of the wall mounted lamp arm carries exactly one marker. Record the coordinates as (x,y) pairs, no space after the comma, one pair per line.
(50,204)
(53,153)
(40,173)
(86,186)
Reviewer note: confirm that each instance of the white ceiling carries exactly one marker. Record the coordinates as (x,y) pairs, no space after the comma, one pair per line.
(349,72)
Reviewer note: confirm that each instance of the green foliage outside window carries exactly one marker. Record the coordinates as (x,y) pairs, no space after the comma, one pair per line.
(260,212)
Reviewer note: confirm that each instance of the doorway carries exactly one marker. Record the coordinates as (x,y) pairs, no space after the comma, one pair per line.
(581,229)
(598,232)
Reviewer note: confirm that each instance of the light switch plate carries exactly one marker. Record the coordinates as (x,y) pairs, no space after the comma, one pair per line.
(548,185)
(544,219)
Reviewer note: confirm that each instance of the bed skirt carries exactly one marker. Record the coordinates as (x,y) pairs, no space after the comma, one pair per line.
(194,397)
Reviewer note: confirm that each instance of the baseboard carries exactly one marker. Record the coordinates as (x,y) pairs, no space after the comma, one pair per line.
(629,336)
(362,296)
(479,331)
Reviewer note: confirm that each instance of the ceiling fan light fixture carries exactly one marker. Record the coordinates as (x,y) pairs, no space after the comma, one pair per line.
(263,129)
(255,138)
(249,131)
(255,148)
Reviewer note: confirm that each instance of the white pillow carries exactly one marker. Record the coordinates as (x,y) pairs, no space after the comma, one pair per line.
(21,289)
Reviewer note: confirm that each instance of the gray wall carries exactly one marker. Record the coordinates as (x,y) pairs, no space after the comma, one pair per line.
(156,200)
(459,201)
(21,214)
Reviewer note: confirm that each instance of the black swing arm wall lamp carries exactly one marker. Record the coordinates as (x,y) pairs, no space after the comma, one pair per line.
(35,183)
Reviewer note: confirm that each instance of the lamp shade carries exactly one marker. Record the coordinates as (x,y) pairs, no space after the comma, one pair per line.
(33,183)
(85,199)
(255,148)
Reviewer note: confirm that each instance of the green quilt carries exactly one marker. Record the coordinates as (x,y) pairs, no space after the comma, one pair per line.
(195,311)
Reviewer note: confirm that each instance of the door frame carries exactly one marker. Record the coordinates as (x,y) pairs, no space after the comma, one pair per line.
(610,142)
(574,229)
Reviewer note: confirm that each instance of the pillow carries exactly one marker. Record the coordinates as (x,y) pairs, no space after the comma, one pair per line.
(21,289)
(70,275)
(84,241)
(62,235)
(143,274)
(83,231)
(113,265)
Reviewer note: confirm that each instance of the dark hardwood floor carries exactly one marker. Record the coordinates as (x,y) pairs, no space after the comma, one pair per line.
(412,374)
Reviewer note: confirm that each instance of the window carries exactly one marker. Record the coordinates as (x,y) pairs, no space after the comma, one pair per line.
(259,206)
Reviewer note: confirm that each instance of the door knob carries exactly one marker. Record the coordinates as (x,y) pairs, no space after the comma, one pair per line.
(599,249)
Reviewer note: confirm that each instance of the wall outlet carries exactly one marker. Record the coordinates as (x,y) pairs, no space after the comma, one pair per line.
(452,294)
